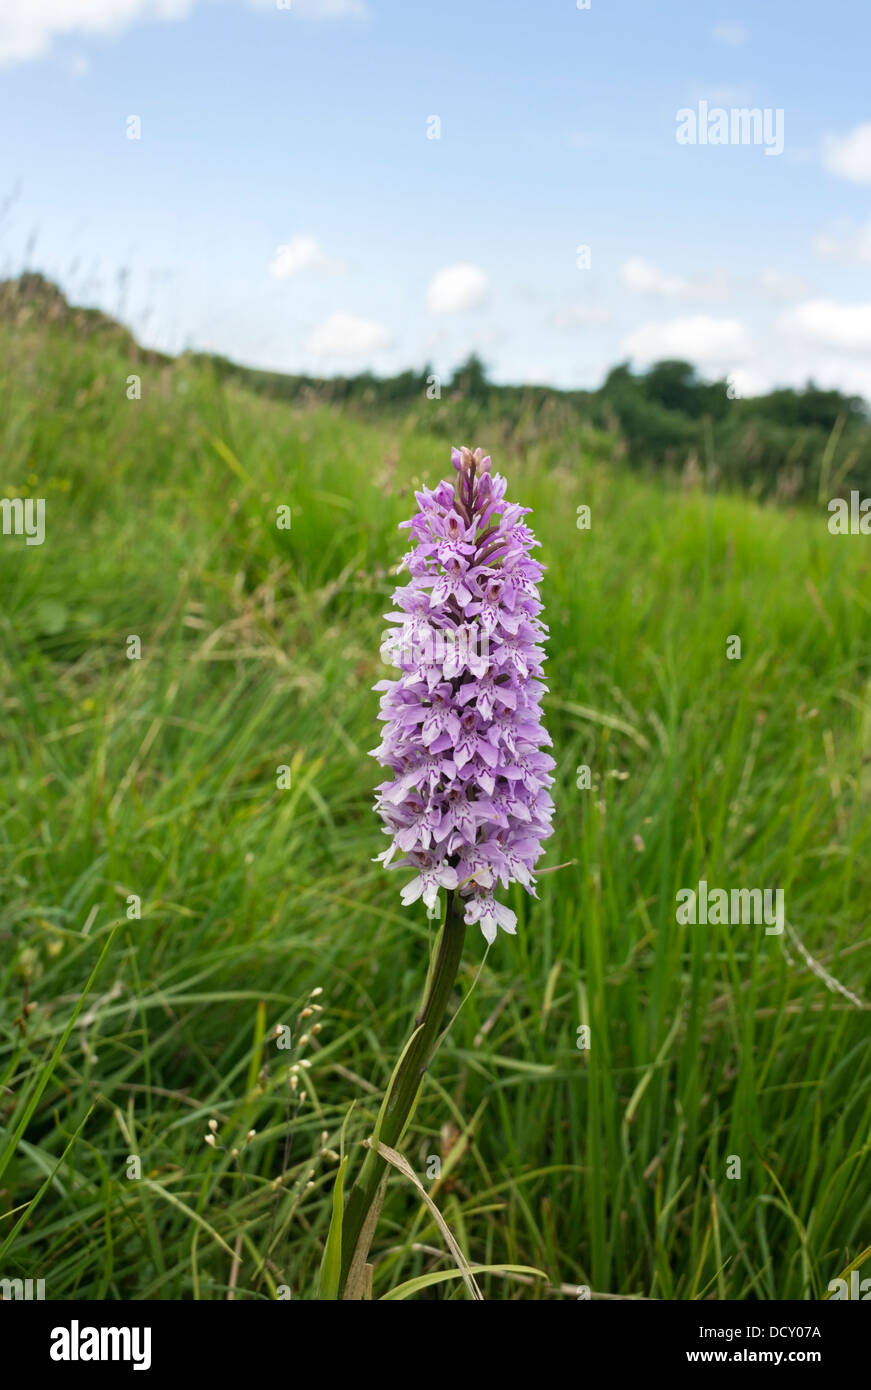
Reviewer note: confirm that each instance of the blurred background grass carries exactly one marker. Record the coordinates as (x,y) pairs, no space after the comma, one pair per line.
(158,778)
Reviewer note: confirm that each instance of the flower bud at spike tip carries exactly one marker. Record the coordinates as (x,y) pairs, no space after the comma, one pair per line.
(467,804)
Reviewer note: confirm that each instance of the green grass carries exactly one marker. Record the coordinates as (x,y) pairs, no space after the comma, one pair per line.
(157,778)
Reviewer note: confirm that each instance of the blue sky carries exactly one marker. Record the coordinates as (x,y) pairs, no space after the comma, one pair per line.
(285,206)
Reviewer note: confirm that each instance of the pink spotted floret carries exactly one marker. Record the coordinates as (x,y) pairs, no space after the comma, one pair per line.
(466,803)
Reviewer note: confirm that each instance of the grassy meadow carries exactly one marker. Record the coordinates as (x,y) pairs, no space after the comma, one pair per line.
(127,1026)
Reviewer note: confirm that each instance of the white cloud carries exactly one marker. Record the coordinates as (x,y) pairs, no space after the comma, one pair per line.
(642,277)
(325,9)
(317,9)
(700,339)
(579,316)
(846,327)
(747,381)
(732,34)
(343,335)
(825,370)
(456,288)
(779,285)
(852,377)
(850,155)
(28,28)
(854,249)
(299,254)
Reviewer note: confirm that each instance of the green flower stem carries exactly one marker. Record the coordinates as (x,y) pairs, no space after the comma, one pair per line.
(406,1081)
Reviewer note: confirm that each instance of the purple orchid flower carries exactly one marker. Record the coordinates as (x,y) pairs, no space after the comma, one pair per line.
(467,802)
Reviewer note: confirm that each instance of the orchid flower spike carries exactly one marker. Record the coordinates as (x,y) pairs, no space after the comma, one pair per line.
(466,804)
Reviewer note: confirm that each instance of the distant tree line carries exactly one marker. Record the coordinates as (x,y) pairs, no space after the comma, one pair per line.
(789,444)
